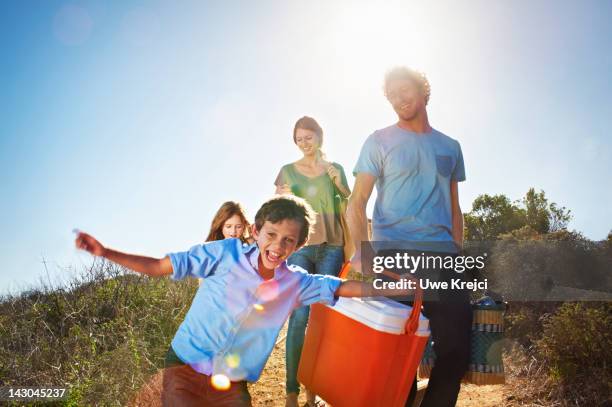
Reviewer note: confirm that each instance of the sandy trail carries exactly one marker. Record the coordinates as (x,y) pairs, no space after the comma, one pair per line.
(269,391)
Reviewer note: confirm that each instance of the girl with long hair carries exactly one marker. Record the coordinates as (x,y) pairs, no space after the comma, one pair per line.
(229,221)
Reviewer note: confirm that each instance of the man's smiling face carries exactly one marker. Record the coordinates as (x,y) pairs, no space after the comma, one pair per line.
(406,98)
(277,241)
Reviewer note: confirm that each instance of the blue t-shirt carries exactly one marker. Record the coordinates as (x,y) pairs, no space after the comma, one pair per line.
(413,176)
(236,315)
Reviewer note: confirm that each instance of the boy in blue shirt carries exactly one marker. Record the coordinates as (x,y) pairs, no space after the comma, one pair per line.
(246,295)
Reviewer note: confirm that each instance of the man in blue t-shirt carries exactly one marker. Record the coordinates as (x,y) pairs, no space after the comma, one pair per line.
(416,170)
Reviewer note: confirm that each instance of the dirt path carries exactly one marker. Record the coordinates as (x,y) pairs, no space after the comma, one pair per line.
(481,396)
(269,391)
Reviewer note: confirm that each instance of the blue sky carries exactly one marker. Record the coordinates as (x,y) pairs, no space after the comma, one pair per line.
(135,120)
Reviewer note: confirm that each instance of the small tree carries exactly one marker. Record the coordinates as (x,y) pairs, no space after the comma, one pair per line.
(495,215)
(542,216)
(491,216)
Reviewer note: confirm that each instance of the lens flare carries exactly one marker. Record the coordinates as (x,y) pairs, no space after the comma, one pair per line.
(258,307)
(232,360)
(268,291)
(220,382)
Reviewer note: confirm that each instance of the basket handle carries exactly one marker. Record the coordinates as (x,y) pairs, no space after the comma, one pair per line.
(413,320)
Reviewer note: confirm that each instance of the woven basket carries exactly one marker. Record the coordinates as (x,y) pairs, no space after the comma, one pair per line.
(486,365)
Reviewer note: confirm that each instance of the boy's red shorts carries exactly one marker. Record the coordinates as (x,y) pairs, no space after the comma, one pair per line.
(183,386)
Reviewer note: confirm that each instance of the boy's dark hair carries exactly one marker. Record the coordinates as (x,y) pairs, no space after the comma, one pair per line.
(290,207)
(403,72)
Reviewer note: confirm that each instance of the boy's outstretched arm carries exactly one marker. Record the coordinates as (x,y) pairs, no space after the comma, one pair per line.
(145,265)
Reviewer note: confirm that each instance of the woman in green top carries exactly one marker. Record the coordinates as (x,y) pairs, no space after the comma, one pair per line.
(323,184)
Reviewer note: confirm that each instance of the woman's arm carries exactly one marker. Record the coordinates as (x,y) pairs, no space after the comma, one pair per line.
(283,189)
(343,190)
(339,180)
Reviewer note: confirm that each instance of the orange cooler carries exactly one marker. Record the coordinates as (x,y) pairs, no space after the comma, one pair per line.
(363,352)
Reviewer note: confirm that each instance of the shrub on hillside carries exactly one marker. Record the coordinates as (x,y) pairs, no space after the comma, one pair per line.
(523,321)
(575,346)
(101,337)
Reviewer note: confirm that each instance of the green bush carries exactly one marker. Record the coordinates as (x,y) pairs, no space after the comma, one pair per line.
(575,346)
(102,336)
(523,321)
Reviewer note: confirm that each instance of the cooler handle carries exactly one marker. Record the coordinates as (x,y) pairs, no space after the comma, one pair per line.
(413,320)
(345,269)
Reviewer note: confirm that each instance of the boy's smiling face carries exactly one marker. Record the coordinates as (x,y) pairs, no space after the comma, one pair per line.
(277,241)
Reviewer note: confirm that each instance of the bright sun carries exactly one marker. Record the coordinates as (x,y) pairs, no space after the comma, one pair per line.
(371,38)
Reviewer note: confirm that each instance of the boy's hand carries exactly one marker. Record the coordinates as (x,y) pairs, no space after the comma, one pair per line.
(356,262)
(88,243)
(354,288)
